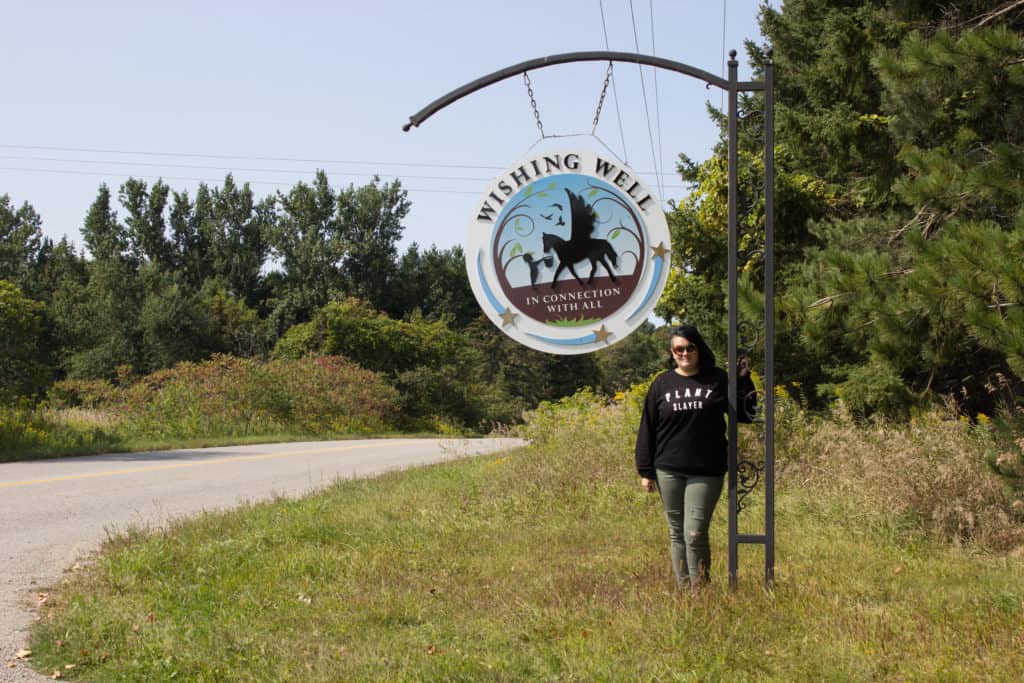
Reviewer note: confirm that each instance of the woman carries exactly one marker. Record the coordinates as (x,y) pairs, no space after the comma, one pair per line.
(681,447)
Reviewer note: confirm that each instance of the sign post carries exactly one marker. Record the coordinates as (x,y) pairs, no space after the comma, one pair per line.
(522,261)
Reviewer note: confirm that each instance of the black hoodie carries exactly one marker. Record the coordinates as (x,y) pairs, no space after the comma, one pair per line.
(682,428)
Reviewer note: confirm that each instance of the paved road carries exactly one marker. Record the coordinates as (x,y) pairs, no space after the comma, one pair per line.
(54,512)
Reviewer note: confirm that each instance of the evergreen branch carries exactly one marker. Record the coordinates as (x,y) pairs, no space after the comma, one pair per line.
(986,18)
(926,220)
(826,300)
(923,218)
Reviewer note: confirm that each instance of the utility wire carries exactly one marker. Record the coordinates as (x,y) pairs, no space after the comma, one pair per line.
(276,183)
(236,169)
(615,94)
(111,162)
(721,95)
(191,155)
(643,91)
(659,166)
(246,157)
(279,183)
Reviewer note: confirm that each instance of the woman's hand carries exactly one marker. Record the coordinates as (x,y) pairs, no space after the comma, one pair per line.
(648,485)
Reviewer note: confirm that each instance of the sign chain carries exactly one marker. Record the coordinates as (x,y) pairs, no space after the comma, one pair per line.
(597,113)
(600,101)
(533,103)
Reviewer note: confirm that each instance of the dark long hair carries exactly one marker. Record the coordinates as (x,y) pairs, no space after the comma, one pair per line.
(705,357)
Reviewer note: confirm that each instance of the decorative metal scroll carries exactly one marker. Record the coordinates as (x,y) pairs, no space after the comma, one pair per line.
(750,335)
(749,474)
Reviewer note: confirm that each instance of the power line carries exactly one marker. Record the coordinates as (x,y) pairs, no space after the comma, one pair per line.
(643,91)
(615,94)
(276,183)
(659,166)
(247,157)
(227,169)
(194,155)
(235,169)
(721,96)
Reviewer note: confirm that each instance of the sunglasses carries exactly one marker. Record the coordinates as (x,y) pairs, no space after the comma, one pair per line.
(690,348)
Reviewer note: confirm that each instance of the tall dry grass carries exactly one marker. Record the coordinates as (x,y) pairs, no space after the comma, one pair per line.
(957,481)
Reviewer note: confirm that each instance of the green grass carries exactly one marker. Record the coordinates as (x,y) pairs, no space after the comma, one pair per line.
(573,322)
(543,564)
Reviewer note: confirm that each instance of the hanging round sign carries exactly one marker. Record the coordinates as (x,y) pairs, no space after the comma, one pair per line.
(568,252)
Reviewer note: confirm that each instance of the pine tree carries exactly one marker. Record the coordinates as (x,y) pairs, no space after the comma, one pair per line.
(105,238)
(919,295)
(898,203)
(146,225)
(21,243)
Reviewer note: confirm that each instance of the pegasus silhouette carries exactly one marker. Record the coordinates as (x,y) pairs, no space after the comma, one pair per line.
(580,244)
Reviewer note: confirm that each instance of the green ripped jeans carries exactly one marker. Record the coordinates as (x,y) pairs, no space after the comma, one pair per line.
(689,502)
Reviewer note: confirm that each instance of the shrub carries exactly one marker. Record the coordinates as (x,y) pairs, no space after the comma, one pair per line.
(873,389)
(585,423)
(444,379)
(227,396)
(330,394)
(375,341)
(299,340)
(82,393)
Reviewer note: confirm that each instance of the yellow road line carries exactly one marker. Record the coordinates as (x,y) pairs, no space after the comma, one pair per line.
(178,465)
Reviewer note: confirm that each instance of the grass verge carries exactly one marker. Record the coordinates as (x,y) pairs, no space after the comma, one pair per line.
(43,434)
(543,564)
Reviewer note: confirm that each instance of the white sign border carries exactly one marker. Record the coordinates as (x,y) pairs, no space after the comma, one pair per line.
(568,340)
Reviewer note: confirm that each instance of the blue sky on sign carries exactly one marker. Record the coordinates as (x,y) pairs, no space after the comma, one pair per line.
(543,207)
(190,91)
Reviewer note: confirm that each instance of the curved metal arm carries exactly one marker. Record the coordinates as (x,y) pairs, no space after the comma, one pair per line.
(565,58)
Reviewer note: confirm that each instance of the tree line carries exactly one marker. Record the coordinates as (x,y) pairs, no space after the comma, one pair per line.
(170,277)
(899,233)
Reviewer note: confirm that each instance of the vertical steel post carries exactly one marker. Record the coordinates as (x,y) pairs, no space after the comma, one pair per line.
(733,321)
(769,315)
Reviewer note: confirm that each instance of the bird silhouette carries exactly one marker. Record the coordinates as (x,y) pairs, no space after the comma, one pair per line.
(557,206)
(547,217)
(561,221)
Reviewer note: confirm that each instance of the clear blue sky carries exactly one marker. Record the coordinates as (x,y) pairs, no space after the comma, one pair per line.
(190,91)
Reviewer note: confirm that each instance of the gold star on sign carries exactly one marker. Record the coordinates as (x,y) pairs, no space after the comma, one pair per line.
(659,250)
(602,334)
(508,317)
